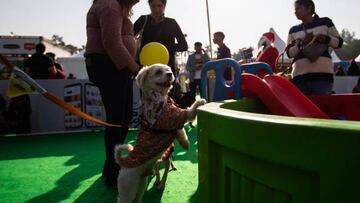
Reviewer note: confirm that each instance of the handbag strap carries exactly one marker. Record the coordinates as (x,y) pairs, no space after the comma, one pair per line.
(143,26)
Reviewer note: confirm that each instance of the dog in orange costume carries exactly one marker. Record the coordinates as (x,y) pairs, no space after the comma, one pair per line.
(162,122)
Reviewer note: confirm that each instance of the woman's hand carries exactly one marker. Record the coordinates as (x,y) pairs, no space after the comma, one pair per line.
(134,67)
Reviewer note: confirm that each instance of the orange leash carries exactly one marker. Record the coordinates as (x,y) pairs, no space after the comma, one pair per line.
(74,110)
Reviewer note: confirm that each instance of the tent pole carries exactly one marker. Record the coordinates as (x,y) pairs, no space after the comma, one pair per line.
(209,29)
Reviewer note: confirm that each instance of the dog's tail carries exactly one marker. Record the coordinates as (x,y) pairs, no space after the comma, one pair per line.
(118,150)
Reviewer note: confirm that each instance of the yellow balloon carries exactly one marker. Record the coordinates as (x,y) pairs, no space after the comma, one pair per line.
(154,52)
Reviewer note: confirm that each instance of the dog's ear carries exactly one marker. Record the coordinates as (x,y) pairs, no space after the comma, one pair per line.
(141,75)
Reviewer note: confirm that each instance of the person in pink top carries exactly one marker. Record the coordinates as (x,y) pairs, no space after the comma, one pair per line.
(110,63)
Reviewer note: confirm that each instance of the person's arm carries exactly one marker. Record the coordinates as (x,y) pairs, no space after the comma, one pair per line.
(51,67)
(111,24)
(292,47)
(180,38)
(335,41)
(134,67)
(60,74)
(52,70)
(205,57)
(228,52)
(190,65)
(59,66)
(139,23)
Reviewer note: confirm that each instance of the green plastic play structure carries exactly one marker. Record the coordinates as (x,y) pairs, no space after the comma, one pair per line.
(248,155)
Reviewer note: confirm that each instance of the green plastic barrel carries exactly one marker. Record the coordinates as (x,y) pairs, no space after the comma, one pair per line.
(248,155)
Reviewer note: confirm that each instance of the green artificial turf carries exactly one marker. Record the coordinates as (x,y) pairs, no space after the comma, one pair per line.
(67,168)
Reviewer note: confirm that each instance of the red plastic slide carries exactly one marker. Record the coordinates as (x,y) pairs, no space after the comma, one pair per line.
(281,97)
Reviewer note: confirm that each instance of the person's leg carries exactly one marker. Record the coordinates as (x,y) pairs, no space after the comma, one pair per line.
(193,90)
(228,74)
(197,86)
(116,92)
(192,97)
(116,108)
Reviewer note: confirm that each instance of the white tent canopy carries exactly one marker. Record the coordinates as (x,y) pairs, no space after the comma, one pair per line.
(357,59)
(74,64)
(334,57)
(279,43)
(80,54)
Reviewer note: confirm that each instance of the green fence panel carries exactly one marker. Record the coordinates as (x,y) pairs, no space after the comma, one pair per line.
(248,155)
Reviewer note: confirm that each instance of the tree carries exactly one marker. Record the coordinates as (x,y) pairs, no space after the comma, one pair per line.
(347,36)
(244,53)
(58,41)
(351,46)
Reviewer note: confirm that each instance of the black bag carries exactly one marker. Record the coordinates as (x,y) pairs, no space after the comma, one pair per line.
(313,49)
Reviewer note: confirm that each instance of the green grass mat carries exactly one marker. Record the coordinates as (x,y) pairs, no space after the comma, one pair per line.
(67,168)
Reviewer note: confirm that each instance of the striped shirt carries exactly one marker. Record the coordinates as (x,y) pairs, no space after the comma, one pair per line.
(323,65)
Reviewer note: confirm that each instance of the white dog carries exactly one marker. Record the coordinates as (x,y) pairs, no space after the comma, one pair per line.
(162,122)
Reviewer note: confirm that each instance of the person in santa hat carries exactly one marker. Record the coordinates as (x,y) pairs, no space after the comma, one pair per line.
(268,53)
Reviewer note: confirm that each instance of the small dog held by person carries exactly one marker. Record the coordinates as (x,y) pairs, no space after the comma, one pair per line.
(162,123)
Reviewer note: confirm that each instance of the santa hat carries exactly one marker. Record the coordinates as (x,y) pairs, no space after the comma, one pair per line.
(270,36)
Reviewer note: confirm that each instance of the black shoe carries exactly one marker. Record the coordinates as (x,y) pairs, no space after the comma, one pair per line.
(111,181)
(110,170)
(110,176)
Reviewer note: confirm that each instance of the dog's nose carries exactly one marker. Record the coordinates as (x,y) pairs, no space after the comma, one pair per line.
(169,74)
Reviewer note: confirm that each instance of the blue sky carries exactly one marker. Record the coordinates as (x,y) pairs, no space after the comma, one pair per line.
(243,22)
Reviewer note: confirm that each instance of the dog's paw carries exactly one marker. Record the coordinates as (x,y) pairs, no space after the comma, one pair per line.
(202,102)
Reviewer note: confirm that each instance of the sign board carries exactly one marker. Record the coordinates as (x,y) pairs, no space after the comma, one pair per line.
(93,104)
(18,44)
(73,96)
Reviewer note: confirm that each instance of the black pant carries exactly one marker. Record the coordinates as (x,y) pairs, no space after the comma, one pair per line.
(116,92)
(194,86)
